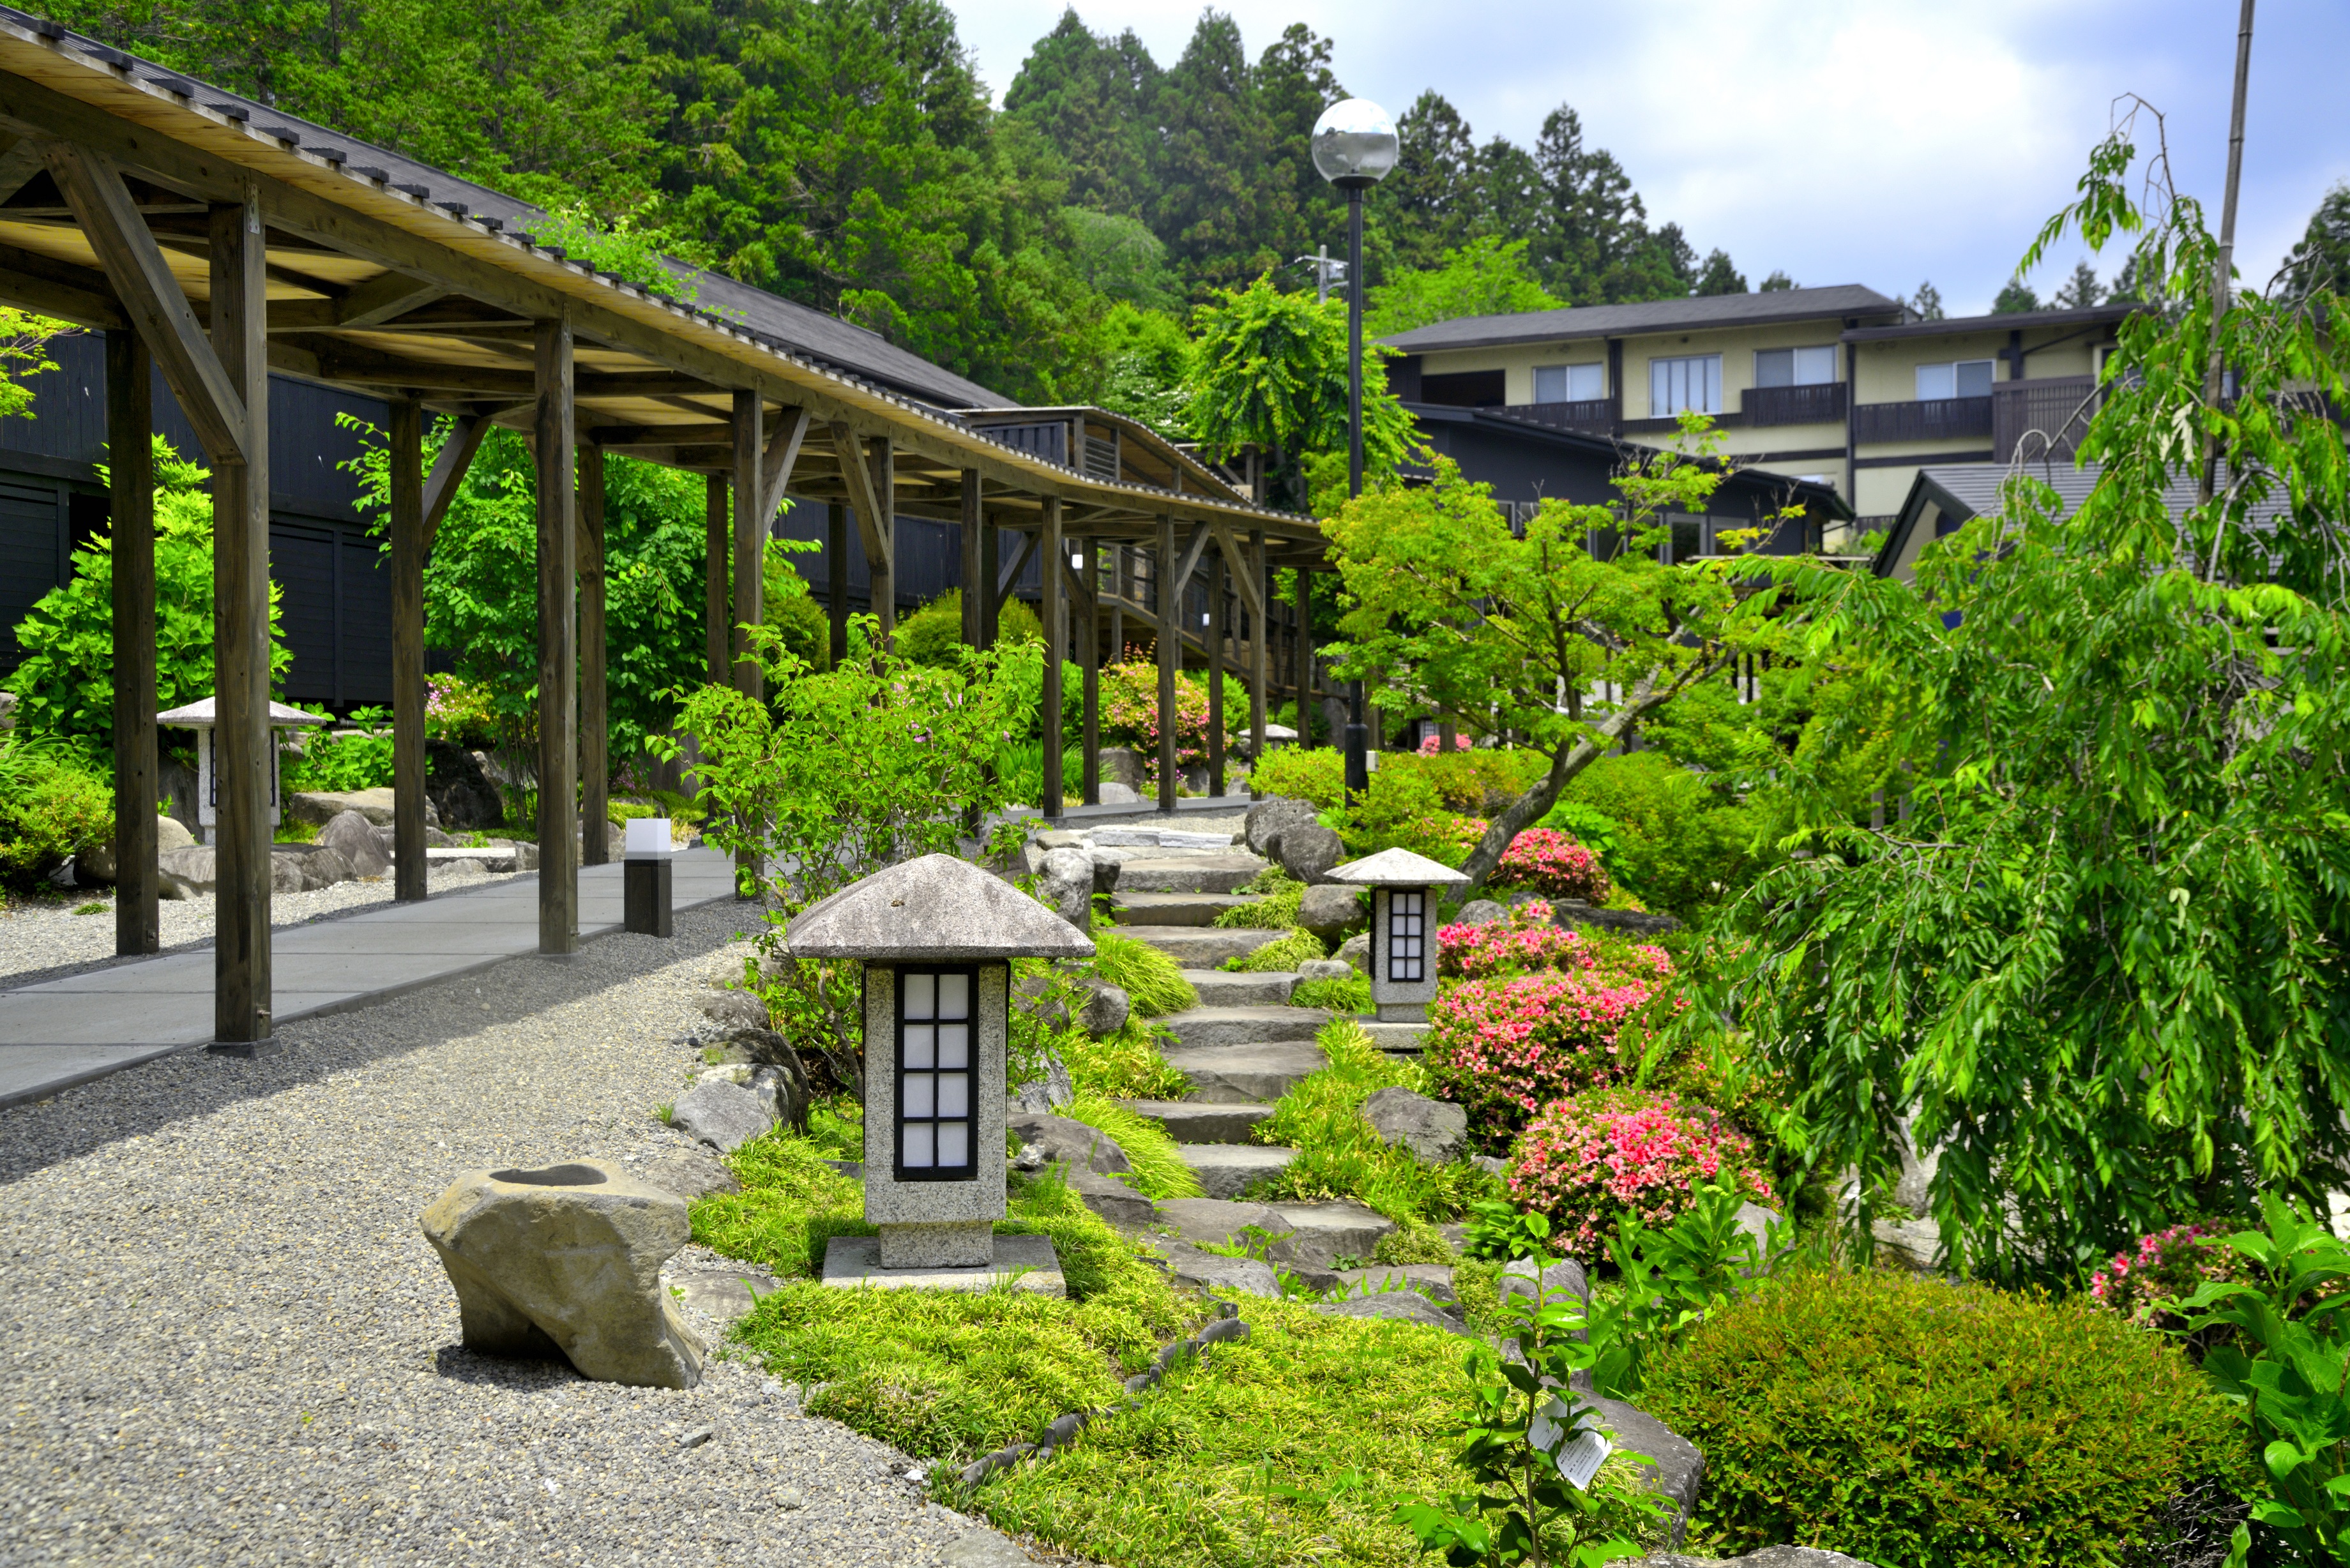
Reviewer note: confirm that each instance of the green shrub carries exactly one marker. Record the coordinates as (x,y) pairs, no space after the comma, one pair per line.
(1151,978)
(1276,910)
(1906,1420)
(1158,1170)
(1677,845)
(932,635)
(1338,1153)
(340,762)
(1296,772)
(50,806)
(1281,953)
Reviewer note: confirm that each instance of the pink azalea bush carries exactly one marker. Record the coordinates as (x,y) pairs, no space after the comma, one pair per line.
(2163,1267)
(1526,940)
(1553,865)
(1434,745)
(1503,1048)
(1588,1159)
(1129,713)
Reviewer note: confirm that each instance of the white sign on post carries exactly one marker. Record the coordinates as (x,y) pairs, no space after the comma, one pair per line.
(1580,1457)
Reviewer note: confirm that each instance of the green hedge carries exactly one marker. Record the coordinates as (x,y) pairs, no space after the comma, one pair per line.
(1903,1420)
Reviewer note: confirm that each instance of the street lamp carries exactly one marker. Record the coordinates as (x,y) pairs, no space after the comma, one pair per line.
(1354,147)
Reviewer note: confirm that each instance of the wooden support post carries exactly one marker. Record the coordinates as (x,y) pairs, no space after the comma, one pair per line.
(554,431)
(836,577)
(407,462)
(1089,660)
(974,595)
(990,594)
(130,499)
(1259,651)
(1304,652)
(595,703)
(449,473)
(1117,604)
(1217,620)
(1048,716)
(714,601)
(884,577)
(750,545)
(242,738)
(1170,657)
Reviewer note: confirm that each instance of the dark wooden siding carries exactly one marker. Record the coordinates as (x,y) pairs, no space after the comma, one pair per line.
(33,536)
(930,556)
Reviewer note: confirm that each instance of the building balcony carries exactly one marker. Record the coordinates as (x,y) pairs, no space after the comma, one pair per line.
(1821,403)
(1929,419)
(1592,416)
(2042,420)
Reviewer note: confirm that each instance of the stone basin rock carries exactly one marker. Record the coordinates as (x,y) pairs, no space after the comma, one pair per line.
(1268,820)
(566,1261)
(351,834)
(1060,1138)
(1435,1130)
(322,806)
(723,1115)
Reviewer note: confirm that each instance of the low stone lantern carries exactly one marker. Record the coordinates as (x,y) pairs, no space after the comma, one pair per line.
(1403,928)
(202,718)
(936,936)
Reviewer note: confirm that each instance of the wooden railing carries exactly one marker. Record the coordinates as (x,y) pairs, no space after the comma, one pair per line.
(1821,403)
(1592,416)
(1926,419)
(2045,417)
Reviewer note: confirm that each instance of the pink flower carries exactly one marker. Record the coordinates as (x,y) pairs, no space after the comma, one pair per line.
(1550,862)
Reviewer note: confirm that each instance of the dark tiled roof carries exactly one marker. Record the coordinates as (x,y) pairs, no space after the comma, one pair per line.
(2092,316)
(833,343)
(1843,299)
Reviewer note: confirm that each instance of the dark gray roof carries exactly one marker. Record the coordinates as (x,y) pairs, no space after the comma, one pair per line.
(836,344)
(1962,491)
(1843,299)
(2089,315)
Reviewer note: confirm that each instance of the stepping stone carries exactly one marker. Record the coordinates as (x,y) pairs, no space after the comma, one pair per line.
(1178,908)
(1241,1075)
(1403,1039)
(1312,1235)
(1204,1026)
(1269,987)
(1433,1281)
(1201,1121)
(1226,1169)
(1200,947)
(1187,874)
(1158,839)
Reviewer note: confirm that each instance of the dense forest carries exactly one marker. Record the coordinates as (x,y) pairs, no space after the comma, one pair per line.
(846,154)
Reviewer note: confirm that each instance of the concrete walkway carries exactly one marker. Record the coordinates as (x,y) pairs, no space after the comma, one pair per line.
(67,1032)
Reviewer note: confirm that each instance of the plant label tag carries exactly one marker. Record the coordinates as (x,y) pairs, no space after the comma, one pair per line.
(1580,1457)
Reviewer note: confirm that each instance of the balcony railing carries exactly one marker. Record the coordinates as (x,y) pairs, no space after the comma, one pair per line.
(1928,419)
(2046,419)
(1592,416)
(1821,403)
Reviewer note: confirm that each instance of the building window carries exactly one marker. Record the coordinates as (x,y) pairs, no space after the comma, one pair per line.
(1962,378)
(1795,367)
(1406,935)
(1570,383)
(935,1095)
(1680,386)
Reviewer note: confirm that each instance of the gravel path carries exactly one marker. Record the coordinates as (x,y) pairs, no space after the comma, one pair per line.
(227,1342)
(46,940)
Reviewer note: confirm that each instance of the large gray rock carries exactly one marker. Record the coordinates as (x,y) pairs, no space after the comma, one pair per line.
(778,1076)
(322,806)
(1188,1265)
(1435,1130)
(723,1115)
(1107,1008)
(1122,765)
(459,788)
(1356,950)
(1330,908)
(1308,851)
(324,866)
(1066,886)
(1394,1306)
(1267,819)
(285,871)
(1326,969)
(352,835)
(171,833)
(1679,1471)
(735,1010)
(566,1261)
(1479,912)
(1049,1093)
(192,872)
(1059,1139)
(1108,1197)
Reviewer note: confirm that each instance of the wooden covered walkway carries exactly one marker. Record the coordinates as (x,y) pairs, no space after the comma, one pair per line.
(219,241)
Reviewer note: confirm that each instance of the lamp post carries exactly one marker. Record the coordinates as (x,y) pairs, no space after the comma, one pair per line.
(1354,147)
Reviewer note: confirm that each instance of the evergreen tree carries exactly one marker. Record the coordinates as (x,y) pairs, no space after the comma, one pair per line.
(2322,261)
(1596,223)
(1775,283)
(1429,202)
(1293,84)
(1927,304)
(2016,297)
(1678,255)
(2079,291)
(1209,202)
(1719,275)
(1093,99)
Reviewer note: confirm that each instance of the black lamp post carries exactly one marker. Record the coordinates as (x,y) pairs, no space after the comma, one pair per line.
(1354,147)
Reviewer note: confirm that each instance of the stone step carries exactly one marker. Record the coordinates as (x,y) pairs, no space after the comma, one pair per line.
(1226,1169)
(1188,873)
(1312,1235)
(1158,839)
(1201,1121)
(1403,1039)
(1246,1074)
(1176,909)
(1203,1026)
(1200,947)
(1267,988)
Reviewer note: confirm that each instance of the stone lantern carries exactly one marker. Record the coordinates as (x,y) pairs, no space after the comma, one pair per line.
(201,718)
(1403,928)
(935,936)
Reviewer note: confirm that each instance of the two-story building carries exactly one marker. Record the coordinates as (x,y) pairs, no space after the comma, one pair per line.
(1835,386)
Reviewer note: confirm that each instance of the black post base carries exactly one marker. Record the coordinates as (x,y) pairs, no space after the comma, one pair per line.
(645,895)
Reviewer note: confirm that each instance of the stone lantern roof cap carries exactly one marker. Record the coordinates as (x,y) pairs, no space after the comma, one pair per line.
(1395,868)
(937,909)
(200,716)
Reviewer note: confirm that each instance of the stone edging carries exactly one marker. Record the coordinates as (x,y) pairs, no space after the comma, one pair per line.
(1227,1328)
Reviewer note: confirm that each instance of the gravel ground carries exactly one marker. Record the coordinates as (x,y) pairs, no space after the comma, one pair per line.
(46,939)
(227,1342)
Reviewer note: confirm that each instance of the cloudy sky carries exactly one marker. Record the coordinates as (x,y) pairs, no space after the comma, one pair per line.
(1876,142)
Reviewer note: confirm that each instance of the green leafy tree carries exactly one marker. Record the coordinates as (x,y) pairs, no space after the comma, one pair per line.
(1119,258)
(1270,371)
(65,687)
(1926,305)
(24,340)
(1484,277)
(1775,283)
(1719,275)
(1211,199)
(1094,100)
(2320,262)
(1146,369)
(1428,206)
(1593,245)
(2100,958)
(2080,290)
(2015,297)
(1454,613)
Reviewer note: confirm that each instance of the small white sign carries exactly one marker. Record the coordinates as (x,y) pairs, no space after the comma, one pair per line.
(1580,1457)
(648,836)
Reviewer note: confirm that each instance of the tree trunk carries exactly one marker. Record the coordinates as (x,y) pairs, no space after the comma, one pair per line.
(1531,807)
